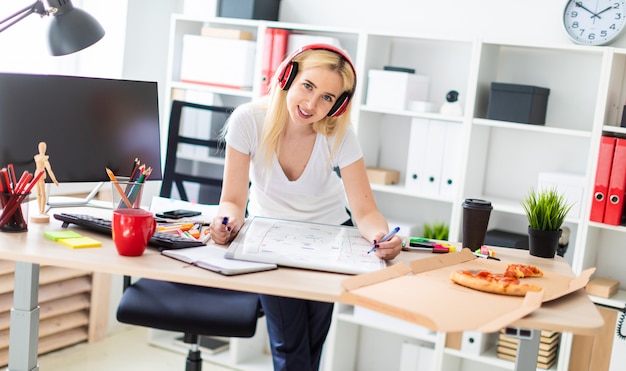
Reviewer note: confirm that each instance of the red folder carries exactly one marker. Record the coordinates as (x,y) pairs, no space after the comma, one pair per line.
(603,175)
(279,48)
(266,68)
(617,184)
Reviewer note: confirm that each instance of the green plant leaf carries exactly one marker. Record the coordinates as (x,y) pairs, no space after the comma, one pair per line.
(546,209)
(436,231)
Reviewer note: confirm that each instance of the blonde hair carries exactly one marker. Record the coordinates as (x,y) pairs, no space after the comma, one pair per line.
(277,114)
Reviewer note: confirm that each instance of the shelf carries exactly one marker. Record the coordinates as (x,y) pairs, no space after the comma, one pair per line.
(406,113)
(489,357)
(617,301)
(614,129)
(541,129)
(212,89)
(400,189)
(369,318)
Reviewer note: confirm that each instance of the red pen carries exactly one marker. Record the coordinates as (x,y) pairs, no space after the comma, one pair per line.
(5,179)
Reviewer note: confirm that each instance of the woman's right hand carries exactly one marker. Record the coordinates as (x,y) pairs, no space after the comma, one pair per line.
(223,229)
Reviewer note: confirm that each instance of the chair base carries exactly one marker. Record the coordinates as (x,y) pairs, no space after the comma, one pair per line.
(194,356)
(194,361)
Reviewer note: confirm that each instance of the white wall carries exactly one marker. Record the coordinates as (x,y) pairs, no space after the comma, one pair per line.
(527,21)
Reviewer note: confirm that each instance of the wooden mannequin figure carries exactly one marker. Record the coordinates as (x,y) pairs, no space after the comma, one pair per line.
(42,164)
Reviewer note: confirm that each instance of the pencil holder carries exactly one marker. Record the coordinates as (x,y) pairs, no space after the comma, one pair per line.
(14,214)
(126,195)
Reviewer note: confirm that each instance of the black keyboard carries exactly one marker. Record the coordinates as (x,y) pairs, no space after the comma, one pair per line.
(160,240)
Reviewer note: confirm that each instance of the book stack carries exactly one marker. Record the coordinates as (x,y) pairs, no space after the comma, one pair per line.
(548,348)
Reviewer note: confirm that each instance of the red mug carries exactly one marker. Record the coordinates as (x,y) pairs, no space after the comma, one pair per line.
(132,229)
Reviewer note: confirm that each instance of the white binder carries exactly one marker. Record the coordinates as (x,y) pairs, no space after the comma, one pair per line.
(415,172)
(450,162)
(434,157)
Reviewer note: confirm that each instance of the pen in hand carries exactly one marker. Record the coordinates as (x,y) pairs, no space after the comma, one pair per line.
(225,222)
(385,238)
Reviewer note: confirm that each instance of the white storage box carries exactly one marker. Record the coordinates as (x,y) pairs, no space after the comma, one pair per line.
(393,89)
(217,61)
(572,186)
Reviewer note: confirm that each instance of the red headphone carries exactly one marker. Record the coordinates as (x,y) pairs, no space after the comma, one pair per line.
(290,70)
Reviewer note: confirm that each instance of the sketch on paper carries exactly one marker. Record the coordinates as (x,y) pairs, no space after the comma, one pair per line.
(304,245)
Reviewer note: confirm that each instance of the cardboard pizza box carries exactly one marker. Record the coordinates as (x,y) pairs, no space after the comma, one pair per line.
(421,292)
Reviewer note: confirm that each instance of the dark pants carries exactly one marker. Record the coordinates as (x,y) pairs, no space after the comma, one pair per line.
(297,329)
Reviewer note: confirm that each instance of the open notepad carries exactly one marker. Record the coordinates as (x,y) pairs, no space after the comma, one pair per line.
(211,257)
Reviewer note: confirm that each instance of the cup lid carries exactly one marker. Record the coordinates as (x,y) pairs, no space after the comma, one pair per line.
(476,203)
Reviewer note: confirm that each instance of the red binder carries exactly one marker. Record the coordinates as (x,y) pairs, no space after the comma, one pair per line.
(266,68)
(617,185)
(279,48)
(603,174)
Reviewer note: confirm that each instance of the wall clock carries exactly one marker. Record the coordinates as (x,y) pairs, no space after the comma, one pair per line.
(594,22)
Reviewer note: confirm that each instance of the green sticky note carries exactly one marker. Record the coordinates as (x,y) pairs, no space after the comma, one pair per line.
(57,235)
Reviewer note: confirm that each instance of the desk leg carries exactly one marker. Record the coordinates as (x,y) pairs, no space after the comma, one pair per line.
(527,347)
(24,330)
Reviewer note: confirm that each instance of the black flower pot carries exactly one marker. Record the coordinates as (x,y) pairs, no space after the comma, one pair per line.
(543,243)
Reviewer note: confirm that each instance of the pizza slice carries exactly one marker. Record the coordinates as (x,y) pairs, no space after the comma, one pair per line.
(522,271)
(486,281)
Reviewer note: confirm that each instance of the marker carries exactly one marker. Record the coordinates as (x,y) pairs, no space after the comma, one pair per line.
(486,256)
(385,238)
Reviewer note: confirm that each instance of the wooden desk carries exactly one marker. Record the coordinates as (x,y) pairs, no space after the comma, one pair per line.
(575,313)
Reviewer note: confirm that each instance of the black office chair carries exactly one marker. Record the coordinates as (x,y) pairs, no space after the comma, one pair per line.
(193,310)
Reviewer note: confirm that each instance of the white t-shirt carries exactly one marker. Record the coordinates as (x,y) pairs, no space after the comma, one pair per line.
(316,196)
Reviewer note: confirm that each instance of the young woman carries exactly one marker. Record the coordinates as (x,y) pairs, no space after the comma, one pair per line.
(293,155)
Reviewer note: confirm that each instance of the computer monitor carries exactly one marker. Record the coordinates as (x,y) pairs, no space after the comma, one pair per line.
(89,124)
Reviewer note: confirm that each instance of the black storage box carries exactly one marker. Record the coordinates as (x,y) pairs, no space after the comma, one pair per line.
(518,103)
(498,237)
(249,9)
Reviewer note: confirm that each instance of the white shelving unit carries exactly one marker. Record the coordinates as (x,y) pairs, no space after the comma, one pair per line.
(497,161)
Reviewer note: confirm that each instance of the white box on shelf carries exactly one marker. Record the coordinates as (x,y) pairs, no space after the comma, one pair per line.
(393,89)
(217,61)
(572,186)
(476,343)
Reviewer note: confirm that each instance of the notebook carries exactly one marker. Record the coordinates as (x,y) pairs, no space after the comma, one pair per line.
(211,257)
(297,244)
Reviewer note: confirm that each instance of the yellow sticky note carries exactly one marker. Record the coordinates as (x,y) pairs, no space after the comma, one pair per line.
(80,242)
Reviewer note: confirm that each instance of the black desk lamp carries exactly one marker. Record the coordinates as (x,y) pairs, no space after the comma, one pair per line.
(71,29)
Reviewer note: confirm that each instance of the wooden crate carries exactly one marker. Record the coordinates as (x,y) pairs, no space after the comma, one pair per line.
(65,298)
(548,348)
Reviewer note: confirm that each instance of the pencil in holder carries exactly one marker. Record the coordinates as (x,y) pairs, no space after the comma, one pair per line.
(14,214)
(126,194)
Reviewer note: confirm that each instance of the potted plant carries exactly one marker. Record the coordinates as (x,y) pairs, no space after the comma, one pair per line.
(546,210)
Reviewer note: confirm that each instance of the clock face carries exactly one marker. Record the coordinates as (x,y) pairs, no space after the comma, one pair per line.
(594,22)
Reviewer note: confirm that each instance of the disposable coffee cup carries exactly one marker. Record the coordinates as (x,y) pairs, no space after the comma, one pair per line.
(476,215)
